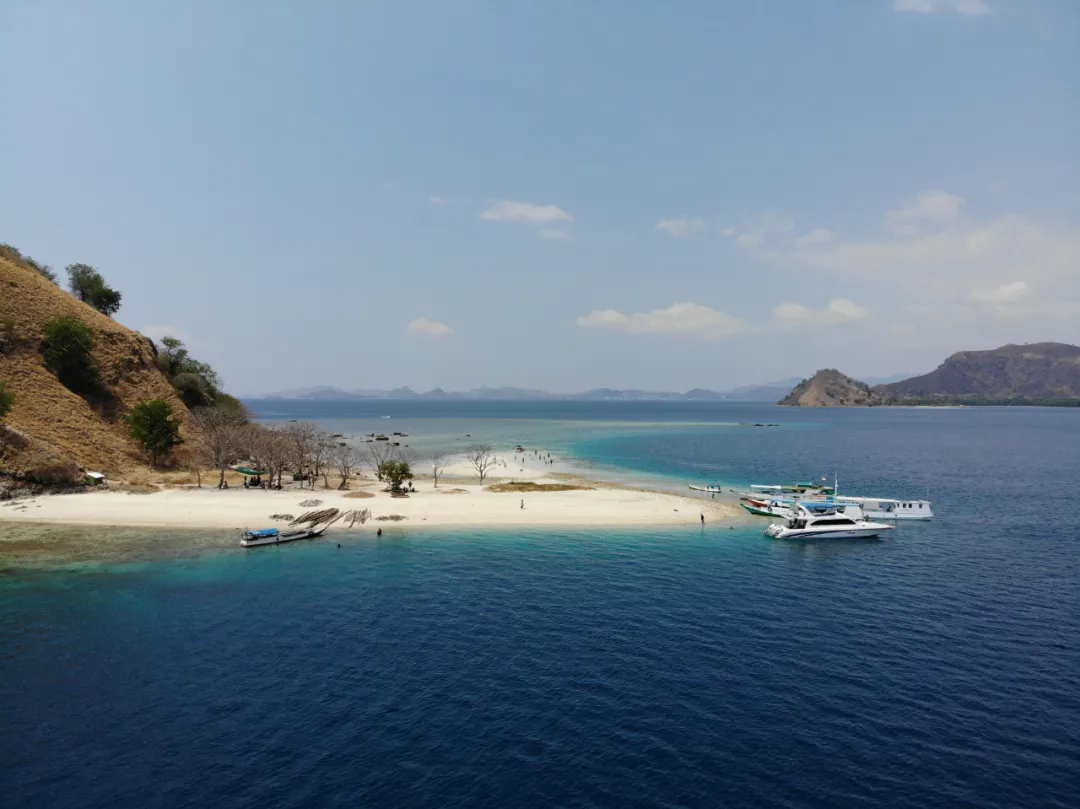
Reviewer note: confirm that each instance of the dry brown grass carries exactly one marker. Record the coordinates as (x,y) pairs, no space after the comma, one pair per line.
(452,491)
(530,486)
(54,416)
(359,495)
(134,488)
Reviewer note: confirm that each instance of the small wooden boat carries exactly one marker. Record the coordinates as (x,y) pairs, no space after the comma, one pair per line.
(272,536)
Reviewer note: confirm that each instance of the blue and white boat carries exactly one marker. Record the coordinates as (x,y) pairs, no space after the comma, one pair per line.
(272,536)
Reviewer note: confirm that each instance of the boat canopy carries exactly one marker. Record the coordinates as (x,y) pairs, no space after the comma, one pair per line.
(247,470)
(264,532)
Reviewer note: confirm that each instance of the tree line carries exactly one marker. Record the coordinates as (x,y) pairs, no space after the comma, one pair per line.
(222,437)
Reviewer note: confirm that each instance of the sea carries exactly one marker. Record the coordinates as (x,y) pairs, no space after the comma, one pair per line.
(707,666)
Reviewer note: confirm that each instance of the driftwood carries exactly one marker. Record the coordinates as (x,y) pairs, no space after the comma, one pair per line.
(313,519)
(328,516)
(351,518)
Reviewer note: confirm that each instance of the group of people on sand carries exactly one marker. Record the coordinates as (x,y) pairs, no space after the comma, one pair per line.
(255,482)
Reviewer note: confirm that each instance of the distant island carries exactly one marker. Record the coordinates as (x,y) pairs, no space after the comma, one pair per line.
(1046,374)
(768,392)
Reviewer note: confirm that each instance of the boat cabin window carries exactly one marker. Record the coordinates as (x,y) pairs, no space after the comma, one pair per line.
(836,521)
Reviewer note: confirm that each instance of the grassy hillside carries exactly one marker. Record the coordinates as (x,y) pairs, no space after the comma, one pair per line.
(58,421)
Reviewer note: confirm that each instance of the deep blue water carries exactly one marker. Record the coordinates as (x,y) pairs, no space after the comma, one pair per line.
(714,667)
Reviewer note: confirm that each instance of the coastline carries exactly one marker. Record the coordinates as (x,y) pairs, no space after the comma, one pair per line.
(457,501)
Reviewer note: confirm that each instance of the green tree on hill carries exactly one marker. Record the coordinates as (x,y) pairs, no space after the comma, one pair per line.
(196,383)
(89,287)
(152,424)
(67,348)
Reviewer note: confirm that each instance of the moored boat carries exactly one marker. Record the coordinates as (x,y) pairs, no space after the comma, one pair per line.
(272,536)
(827,523)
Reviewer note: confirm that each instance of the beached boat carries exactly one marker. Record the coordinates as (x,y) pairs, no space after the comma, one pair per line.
(272,536)
(711,489)
(806,523)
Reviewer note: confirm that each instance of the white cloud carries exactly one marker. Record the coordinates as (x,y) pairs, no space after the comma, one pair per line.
(727,231)
(839,310)
(933,6)
(555,234)
(436,200)
(936,208)
(429,328)
(680,227)
(768,227)
(682,319)
(943,272)
(819,236)
(967,254)
(526,213)
(1003,295)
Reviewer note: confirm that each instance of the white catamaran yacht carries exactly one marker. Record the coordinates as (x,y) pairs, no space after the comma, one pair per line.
(806,523)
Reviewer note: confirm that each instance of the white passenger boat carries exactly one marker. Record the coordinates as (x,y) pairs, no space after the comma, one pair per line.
(712,488)
(806,523)
(886,508)
(272,536)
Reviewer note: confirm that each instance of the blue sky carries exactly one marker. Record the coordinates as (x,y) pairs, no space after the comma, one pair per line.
(554,194)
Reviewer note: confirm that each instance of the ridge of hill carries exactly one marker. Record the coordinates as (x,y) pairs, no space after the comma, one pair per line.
(1037,371)
(49,422)
(830,388)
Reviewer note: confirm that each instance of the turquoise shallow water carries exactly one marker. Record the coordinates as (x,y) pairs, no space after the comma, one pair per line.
(584,668)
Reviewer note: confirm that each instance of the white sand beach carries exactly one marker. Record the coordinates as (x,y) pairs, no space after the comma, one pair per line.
(459,500)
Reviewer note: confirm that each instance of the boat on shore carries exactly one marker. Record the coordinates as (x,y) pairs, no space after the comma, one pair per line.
(711,489)
(272,536)
(828,523)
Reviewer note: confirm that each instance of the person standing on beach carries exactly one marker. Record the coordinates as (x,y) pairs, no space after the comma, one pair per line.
(523,502)
(702,519)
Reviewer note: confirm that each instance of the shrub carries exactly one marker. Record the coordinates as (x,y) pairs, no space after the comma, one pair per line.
(54,473)
(67,348)
(153,426)
(395,473)
(7,399)
(196,383)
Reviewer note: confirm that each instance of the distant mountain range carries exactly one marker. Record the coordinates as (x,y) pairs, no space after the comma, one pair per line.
(1035,373)
(768,392)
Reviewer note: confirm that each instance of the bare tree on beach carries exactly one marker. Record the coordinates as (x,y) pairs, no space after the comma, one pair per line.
(322,449)
(220,440)
(300,437)
(438,463)
(270,449)
(346,457)
(482,459)
(378,453)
